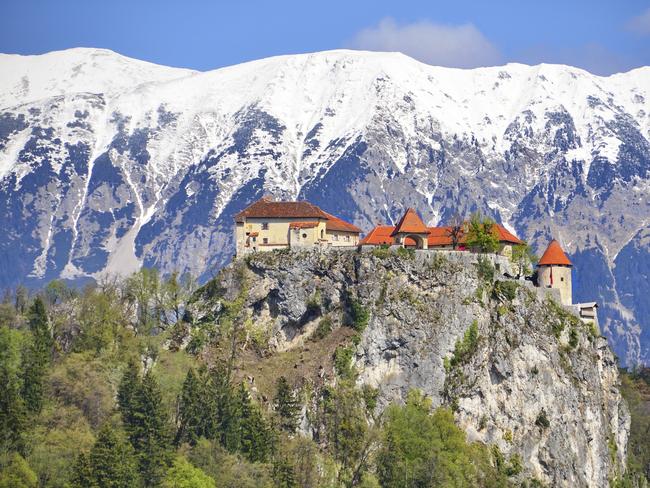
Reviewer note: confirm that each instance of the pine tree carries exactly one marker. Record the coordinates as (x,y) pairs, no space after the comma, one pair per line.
(36,356)
(286,405)
(256,440)
(226,410)
(283,474)
(82,473)
(149,432)
(111,462)
(127,393)
(194,410)
(12,406)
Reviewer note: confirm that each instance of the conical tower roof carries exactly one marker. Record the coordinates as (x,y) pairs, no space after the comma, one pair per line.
(554,255)
(410,223)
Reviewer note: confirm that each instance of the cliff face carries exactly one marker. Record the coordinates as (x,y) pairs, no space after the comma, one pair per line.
(518,370)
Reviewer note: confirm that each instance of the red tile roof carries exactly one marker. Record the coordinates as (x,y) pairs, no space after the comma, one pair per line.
(340,225)
(504,235)
(554,255)
(438,236)
(380,235)
(410,223)
(266,207)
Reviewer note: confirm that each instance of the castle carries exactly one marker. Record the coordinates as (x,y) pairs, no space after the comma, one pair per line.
(267,224)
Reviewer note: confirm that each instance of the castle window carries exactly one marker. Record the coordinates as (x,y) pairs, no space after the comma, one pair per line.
(335,237)
(304,236)
(265,226)
(562,278)
(347,238)
(265,240)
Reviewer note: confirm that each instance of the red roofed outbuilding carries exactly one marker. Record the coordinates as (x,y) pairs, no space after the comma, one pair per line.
(554,271)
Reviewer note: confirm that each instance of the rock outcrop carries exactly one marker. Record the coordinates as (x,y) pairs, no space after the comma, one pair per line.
(519,370)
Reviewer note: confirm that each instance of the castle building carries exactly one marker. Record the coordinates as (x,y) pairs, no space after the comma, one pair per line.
(554,271)
(411,232)
(267,224)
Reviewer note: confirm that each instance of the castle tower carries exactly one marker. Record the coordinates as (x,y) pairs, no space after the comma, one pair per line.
(411,226)
(554,271)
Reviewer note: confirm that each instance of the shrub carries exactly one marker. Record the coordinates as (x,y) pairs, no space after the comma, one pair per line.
(405,253)
(466,347)
(323,329)
(505,289)
(314,303)
(343,362)
(573,338)
(485,269)
(381,252)
(542,420)
(360,315)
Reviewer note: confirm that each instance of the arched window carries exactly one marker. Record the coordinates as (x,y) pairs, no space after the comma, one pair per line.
(322,234)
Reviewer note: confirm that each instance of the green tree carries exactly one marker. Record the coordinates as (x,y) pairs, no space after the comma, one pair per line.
(287,405)
(283,474)
(523,258)
(149,431)
(346,427)
(256,440)
(18,474)
(82,473)
(12,407)
(127,393)
(191,410)
(110,464)
(480,234)
(183,474)
(428,449)
(142,292)
(100,318)
(36,356)
(21,299)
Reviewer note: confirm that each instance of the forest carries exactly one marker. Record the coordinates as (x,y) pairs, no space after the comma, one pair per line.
(103,387)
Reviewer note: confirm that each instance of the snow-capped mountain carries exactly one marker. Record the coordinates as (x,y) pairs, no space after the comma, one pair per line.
(109,163)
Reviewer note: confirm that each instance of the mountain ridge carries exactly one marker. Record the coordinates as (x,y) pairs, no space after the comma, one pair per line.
(151,173)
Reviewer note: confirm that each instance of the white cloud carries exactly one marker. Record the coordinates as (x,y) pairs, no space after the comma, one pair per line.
(460,46)
(640,24)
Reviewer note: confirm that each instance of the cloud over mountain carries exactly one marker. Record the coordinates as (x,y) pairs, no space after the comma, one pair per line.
(456,46)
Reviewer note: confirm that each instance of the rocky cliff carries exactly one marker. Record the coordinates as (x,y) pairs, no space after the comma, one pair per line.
(518,370)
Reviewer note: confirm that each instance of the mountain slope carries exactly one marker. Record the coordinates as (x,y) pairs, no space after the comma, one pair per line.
(141,164)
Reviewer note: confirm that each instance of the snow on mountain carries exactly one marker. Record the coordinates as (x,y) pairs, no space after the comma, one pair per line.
(109,163)
(30,78)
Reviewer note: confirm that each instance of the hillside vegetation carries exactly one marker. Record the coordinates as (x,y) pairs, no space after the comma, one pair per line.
(152,382)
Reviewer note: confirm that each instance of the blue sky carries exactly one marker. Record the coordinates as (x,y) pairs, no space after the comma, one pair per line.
(600,36)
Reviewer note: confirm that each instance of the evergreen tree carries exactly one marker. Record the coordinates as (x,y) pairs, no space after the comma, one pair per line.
(286,405)
(12,406)
(195,412)
(283,474)
(36,356)
(149,432)
(127,393)
(111,463)
(227,410)
(82,473)
(256,441)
